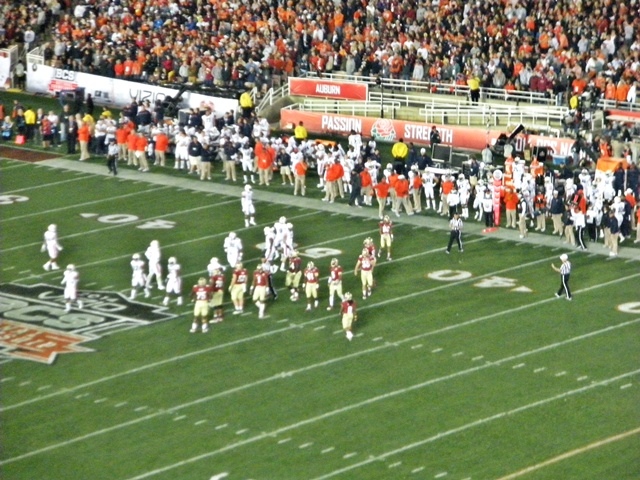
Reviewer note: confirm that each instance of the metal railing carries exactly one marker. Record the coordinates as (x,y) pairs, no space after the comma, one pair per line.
(363,108)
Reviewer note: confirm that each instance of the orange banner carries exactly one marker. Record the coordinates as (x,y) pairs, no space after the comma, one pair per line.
(386,130)
(328,89)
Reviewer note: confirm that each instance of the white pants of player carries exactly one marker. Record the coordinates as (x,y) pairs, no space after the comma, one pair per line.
(174,285)
(233,256)
(155,270)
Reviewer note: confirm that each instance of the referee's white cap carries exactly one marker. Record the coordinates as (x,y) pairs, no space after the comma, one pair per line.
(564,257)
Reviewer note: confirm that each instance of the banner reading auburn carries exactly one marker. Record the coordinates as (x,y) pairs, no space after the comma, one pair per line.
(321,88)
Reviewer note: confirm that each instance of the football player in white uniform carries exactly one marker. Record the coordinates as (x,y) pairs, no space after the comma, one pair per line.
(52,247)
(174,281)
(286,246)
(429,184)
(155,267)
(70,282)
(248,209)
(248,162)
(138,277)
(214,265)
(279,227)
(270,252)
(233,248)
(182,150)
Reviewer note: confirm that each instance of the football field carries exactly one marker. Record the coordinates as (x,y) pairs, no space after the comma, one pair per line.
(463,366)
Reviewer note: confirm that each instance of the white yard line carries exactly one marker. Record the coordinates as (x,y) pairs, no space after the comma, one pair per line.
(439,435)
(280,376)
(120,225)
(311,322)
(21,164)
(42,185)
(571,453)
(77,205)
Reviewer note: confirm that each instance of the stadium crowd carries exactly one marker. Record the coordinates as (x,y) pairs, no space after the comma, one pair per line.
(558,48)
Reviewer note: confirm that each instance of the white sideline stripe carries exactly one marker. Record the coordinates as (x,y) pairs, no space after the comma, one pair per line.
(453,431)
(278,376)
(93,202)
(273,332)
(21,164)
(571,453)
(41,185)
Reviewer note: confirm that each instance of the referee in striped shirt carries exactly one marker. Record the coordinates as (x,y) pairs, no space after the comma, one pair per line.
(455,224)
(565,272)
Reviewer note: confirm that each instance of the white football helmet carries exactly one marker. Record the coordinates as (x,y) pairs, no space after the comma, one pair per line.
(289,226)
(135,256)
(52,227)
(247,188)
(232,235)
(283,219)
(71,267)
(172,260)
(267,230)
(155,243)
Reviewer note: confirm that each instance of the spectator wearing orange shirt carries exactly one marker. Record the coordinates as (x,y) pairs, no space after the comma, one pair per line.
(84,133)
(334,173)
(300,177)
(511,204)
(132,140)
(121,139)
(402,192)
(141,152)
(162,143)
(382,192)
(415,188)
(446,186)
(366,186)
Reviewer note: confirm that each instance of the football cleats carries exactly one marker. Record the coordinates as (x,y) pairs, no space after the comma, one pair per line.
(202,281)
(310,265)
(71,267)
(135,256)
(52,227)
(172,260)
(334,262)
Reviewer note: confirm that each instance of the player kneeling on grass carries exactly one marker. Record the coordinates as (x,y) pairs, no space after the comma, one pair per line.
(294,274)
(349,315)
(259,289)
(310,285)
(174,282)
(201,294)
(70,282)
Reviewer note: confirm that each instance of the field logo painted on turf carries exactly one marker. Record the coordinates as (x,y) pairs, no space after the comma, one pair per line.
(35,326)
(489,282)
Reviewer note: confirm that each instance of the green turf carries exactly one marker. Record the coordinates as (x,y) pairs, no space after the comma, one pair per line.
(457,379)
